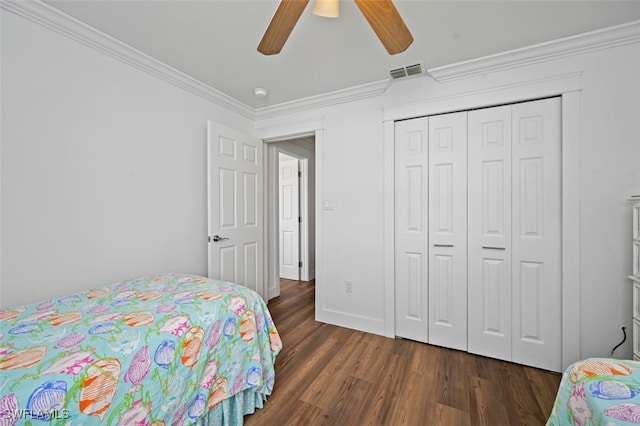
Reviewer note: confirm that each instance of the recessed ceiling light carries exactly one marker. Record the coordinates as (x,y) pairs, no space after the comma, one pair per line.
(260,92)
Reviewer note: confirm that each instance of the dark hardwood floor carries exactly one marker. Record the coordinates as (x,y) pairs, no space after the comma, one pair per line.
(328,375)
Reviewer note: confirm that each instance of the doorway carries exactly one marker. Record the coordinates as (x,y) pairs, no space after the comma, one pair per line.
(290,222)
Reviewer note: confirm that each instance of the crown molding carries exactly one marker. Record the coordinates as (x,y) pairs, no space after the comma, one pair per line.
(618,35)
(324,100)
(55,20)
(524,90)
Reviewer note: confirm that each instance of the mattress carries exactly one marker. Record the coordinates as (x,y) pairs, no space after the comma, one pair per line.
(160,349)
(598,391)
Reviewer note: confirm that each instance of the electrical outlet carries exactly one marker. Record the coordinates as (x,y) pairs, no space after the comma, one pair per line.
(348,286)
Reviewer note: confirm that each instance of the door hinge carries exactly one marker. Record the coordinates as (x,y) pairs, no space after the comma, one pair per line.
(299,219)
(299,174)
(299,264)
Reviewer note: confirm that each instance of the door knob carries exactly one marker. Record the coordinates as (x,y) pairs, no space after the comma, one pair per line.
(217,238)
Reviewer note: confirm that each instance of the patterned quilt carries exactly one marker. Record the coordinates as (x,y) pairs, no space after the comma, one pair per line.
(598,391)
(156,350)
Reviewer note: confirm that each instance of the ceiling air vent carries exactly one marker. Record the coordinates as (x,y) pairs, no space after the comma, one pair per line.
(408,71)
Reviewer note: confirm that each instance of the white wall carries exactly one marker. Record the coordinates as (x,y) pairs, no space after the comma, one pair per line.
(103,177)
(352,172)
(103,168)
(610,172)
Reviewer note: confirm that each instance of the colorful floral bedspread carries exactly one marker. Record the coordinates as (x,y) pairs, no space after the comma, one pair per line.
(598,391)
(155,350)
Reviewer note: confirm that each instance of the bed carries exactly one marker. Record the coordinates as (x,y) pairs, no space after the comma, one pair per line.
(168,349)
(598,391)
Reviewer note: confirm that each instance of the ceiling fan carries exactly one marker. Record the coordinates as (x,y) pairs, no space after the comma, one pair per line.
(382,15)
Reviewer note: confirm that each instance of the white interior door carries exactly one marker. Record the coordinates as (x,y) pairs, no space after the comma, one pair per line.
(289,213)
(489,240)
(235,207)
(537,242)
(515,241)
(448,230)
(411,230)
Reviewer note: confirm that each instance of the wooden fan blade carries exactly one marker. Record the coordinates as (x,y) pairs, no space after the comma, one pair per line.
(281,25)
(387,23)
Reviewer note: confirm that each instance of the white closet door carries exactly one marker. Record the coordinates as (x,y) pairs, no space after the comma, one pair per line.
(537,234)
(489,243)
(448,230)
(411,230)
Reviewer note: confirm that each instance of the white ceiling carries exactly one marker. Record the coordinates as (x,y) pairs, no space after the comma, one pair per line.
(215,41)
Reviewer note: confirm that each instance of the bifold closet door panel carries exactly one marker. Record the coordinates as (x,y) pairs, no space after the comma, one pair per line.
(411,229)
(489,232)
(448,230)
(537,244)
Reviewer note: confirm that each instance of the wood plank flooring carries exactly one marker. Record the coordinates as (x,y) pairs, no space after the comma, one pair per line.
(328,375)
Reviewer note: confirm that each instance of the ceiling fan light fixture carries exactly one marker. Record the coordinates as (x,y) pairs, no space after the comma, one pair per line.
(382,16)
(326,8)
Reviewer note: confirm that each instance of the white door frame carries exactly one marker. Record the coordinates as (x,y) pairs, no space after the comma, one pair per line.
(274,149)
(295,228)
(271,134)
(568,87)
(305,230)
